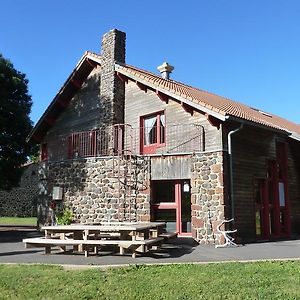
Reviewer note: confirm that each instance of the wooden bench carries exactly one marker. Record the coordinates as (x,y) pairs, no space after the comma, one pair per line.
(168,235)
(134,246)
(139,245)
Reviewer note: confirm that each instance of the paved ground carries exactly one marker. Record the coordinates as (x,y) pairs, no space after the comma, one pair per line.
(12,250)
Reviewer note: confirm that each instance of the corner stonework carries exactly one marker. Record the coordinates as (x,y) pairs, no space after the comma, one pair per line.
(207,196)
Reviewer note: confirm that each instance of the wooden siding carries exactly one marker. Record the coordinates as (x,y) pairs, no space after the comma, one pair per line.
(170,167)
(251,149)
(83,113)
(140,103)
(294,184)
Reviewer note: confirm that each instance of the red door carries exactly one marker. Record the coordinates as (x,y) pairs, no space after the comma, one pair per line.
(171,203)
(272,216)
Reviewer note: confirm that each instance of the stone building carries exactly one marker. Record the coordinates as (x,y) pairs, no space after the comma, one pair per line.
(120,143)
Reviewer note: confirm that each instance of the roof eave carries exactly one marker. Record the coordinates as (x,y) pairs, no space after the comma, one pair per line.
(88,56)
(295,136)
(220,116)
(257,125)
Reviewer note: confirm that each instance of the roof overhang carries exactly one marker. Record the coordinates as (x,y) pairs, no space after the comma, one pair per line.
(170,94)
(84,67)
(203,108)
(295,136)
(257,125)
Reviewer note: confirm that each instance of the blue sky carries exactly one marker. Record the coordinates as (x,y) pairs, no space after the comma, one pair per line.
(248,51)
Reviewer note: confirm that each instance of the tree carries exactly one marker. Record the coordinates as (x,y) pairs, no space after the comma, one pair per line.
(15,124)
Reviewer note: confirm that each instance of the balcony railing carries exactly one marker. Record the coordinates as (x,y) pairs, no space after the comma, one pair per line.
(123,139)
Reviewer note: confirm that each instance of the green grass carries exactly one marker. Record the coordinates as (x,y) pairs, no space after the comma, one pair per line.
(262,280)
(17,221)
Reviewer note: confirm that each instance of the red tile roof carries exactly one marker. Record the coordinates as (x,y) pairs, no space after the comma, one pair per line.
(215,103)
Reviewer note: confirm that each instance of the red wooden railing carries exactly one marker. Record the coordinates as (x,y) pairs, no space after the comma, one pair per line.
(123,139)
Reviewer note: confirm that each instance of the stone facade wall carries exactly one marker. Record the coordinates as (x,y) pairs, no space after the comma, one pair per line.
(207,196)
(96,193)
(98,189)
(21,201)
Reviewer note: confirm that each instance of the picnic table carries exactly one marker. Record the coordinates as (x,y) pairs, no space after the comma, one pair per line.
(134,237)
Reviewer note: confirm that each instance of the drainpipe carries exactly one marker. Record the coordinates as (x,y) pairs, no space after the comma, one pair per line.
(230,169)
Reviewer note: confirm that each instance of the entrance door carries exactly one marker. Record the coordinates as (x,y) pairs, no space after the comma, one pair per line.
(271,205)
(171,201)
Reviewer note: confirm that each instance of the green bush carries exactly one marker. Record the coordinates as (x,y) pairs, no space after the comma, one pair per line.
(66,217)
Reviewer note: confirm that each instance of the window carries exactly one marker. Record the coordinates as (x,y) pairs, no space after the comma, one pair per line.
(153,130)
(44,152)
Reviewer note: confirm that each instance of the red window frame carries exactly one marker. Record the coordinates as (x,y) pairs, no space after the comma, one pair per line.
(175,205)
(44,152)
(282,169)
(160,133)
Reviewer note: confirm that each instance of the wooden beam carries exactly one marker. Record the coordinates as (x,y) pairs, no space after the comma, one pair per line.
(49,120)
(37,138)
(142,86)
(122,77)
(162,96)
(91,63)
(62,102)
(187,108)
(76,83)
(213,121)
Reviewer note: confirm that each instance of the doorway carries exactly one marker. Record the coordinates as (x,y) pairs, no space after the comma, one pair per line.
(272,218)
(171,203)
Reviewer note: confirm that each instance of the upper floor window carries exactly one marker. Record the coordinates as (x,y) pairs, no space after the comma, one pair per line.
(153,131)
(44,152)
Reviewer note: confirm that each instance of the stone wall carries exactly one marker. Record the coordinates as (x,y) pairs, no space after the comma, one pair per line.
(98,189)
(21,201)
(207,196)
(95,192)
(112,89)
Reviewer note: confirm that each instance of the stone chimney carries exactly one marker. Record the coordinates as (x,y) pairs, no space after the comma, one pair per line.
(112,89)
(165,69)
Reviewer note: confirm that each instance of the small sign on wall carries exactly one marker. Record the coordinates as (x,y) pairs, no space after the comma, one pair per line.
(57,193)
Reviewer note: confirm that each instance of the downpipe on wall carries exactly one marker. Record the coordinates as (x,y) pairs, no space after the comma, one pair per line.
(231,168)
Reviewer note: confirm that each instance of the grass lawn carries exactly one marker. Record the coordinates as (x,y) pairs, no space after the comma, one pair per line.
(262,280)
(17,221)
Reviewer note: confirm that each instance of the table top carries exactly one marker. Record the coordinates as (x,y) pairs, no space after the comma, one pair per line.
(112,226)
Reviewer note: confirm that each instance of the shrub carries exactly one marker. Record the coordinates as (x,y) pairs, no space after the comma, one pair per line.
(66,217)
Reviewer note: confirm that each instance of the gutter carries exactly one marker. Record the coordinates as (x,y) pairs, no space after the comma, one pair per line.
(230,168)
(295,136)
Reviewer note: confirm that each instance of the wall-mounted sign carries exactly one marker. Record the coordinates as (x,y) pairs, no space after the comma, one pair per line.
(57,193)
